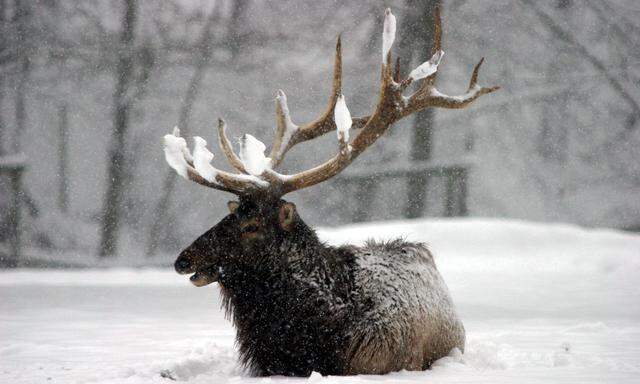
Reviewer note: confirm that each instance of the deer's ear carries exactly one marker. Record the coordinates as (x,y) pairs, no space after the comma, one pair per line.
(233,206)
(287,216)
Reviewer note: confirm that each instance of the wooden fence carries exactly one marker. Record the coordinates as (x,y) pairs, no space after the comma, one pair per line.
(417,177)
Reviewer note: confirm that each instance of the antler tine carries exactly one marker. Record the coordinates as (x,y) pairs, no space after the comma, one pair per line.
(396,71)
(227,148)
(285,129)
(437,30)
(432,97)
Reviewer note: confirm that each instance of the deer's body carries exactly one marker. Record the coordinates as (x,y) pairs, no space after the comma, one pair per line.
(299,305)
(303,306)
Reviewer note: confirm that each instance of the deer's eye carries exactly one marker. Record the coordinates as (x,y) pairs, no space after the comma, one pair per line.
(250,228)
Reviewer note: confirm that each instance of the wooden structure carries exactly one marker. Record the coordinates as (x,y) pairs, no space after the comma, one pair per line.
(12,167)
(421,175)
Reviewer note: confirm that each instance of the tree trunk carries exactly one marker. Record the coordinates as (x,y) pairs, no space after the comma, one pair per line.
(162,207)
(235,37)
(3,128)
(416,42)
(15,219)
(21,18)
(63,142)
(122,107)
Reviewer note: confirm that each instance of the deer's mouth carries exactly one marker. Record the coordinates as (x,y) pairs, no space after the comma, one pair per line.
(205,276)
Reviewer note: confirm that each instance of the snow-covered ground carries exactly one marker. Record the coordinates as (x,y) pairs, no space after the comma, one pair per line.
(541,303)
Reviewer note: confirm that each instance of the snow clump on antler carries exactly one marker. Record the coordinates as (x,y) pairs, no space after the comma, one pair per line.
(343,119)
(388,33)
(175,148)
(427,68)
(202,160)
(252,155)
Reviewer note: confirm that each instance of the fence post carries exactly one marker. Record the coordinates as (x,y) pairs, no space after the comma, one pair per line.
(366,192)
(63,154)
(15,177)
(416,194)
(455,192)
(13,167)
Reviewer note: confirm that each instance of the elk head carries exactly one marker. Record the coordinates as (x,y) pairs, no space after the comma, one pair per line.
(249,231)
(258,184)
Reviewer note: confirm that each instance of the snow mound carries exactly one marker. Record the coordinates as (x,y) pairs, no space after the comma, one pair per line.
(210,360)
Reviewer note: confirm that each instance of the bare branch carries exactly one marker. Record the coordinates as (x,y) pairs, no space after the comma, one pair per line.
(559,32)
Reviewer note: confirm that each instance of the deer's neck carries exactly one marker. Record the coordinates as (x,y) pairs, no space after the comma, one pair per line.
(301,292)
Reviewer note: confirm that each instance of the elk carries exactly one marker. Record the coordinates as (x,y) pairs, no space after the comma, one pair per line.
(299,305)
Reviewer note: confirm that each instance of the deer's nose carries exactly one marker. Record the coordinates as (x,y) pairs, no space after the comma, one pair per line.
(182,265)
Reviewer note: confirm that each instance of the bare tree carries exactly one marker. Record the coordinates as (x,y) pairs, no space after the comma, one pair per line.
(21,20)
(63,159)
(3,29)
(122,107)
(416,40)
(584,51)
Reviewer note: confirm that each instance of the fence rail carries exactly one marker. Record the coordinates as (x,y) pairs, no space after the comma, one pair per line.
(417,177)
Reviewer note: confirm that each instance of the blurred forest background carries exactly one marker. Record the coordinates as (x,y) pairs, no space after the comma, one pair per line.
(88,88)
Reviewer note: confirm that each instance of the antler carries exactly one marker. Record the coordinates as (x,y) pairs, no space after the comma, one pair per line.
(258,174)
(393,106)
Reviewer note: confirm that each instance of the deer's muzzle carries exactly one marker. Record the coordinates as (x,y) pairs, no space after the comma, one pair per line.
(205,277)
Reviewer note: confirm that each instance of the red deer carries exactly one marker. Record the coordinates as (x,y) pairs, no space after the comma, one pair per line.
(299,305)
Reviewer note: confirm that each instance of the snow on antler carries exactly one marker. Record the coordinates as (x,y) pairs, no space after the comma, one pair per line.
(202,160)
(285,128)
(175,148)
(427,68)
(252,155)
(343,119)
(281,99)
(388,33)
